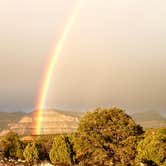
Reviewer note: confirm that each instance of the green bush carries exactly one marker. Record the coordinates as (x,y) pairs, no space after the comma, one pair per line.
(107,137)
(152,149)
(12,146)
(62,150)
(31,152)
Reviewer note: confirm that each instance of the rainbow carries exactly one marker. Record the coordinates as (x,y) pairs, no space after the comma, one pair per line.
(40,104)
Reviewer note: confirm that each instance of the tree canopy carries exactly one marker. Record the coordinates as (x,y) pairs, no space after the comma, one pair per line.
(106,137)
(62,150)
(152,149)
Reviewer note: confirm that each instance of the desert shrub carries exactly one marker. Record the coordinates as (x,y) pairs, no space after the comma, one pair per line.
(62,150)
(12,146)
(152,149)
(107,137)
(31,152)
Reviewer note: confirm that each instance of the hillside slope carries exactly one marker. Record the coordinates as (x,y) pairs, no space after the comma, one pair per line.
(9,117)
(53,121)
(149,119)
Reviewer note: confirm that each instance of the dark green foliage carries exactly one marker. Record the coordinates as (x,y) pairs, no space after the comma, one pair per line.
(107,137)
(12,146)
(31,152)
(70,142)
(45,143)
(62,150)
(152,150)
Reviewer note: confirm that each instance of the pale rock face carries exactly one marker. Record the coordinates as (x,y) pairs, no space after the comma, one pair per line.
(4,132)
(52,123)
(55,122)
(26,119)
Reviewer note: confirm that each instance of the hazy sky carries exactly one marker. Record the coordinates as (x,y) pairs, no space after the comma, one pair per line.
(115,53)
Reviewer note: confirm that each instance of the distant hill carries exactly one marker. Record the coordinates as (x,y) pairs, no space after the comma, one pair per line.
(54,121)
(57,121)
(9,117)
(68,112)
(149,119)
